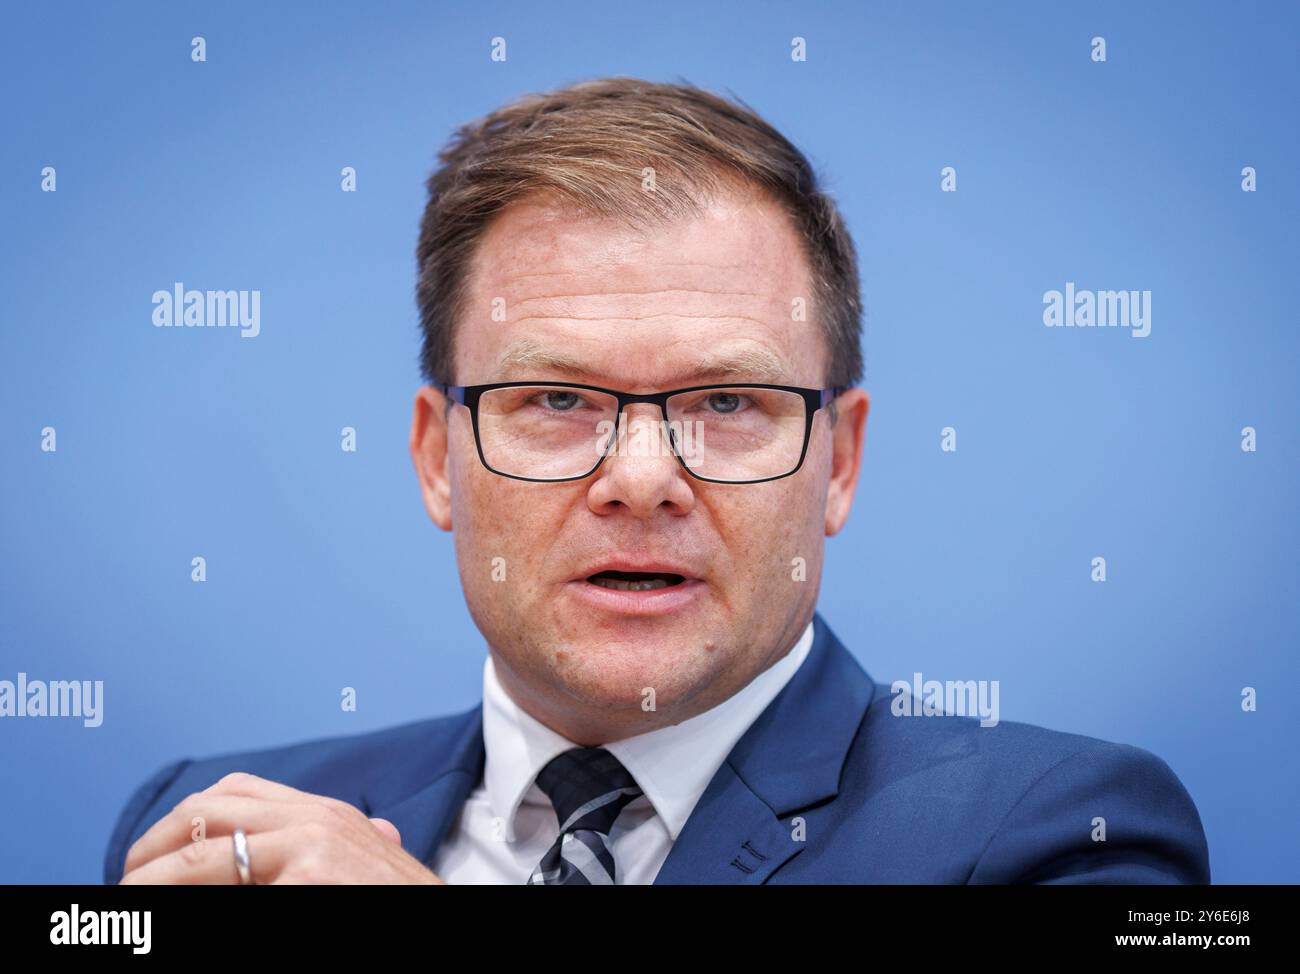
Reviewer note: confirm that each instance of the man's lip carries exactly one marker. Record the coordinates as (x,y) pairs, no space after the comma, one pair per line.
(645,567)
(670,600)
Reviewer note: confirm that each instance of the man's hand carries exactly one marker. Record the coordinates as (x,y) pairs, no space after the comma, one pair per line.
(293,837)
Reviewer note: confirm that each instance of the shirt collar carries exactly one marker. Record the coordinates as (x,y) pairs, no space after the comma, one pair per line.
(672,765)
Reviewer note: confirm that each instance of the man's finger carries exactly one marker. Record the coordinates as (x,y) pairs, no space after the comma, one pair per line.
(388,829)
(217,815)
(212,861)
(252,786)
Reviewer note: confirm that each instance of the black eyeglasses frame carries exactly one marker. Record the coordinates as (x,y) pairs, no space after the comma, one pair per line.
(469,396)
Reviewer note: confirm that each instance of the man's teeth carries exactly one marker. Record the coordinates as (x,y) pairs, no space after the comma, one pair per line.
(626,586)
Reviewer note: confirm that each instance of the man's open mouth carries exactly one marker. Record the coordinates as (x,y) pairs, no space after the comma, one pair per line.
(635,581)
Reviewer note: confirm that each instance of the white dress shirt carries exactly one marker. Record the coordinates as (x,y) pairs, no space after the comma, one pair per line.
(507,823)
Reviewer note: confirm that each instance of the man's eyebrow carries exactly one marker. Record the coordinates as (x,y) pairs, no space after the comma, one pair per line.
(753,364)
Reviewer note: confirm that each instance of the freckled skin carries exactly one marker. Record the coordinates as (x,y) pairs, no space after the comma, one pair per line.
(638,308)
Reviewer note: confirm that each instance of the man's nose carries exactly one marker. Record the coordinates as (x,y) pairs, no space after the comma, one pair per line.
(640,470)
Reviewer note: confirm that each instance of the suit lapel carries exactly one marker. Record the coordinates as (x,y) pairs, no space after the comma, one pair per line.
(788,760)
(449,767)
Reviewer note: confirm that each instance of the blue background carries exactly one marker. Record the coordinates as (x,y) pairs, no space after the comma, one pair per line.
(323,569)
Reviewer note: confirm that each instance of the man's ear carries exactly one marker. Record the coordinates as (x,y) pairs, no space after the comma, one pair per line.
(847,432)
(429,453)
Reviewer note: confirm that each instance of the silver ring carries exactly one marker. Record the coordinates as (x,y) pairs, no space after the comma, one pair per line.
(242,863)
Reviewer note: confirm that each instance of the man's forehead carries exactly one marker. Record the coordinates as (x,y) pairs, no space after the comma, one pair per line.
(708,295)
(536,246)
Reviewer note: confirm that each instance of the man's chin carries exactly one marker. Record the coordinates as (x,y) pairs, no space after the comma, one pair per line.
(645,669)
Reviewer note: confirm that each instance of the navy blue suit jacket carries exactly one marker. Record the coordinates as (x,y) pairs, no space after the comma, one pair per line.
(827,786)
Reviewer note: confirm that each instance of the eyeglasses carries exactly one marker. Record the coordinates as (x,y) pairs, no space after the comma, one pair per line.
(555,431)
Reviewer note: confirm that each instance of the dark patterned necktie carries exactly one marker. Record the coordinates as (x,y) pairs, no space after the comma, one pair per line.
(588,787)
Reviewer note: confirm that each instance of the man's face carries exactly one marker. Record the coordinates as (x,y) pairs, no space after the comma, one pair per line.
(639,312)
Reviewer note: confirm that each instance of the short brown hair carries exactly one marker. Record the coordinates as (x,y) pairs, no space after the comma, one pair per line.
(589,144)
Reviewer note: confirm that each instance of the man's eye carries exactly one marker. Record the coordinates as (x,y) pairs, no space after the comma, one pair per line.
(724,403)
(560,402)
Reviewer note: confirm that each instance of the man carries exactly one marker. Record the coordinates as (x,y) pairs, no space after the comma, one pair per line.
(641,330)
